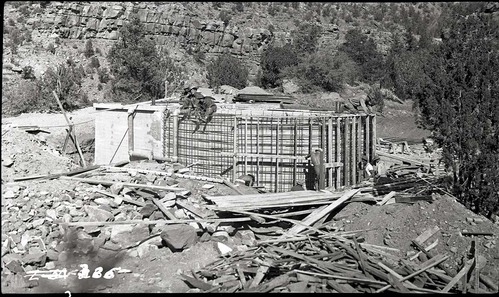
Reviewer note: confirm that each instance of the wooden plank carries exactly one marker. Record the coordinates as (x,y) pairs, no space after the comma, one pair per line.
(458,276)
(415,273)
(130,185)
(330,151)
(126,199)
(242,278)
(260,274)
(195,210)
(154,222)
(429,254)
(403,159)
(196,283)
(298,287)
(351,279)
(337,152)
(309,220)
(353,165)
(427,234)
(341,288)
(70,125)
(57,175)
(346,152)
(386,198)
(169,214)
(164,173)
(428,248)
(396,275)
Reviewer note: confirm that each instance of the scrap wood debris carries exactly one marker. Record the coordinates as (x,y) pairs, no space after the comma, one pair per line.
(268,242)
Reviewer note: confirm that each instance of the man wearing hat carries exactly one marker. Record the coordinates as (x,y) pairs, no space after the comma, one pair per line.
(188,102)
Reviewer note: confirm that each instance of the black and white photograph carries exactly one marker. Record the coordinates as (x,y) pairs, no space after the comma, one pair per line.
(250,147)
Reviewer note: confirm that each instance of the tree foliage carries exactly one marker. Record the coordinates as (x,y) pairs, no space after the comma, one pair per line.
(273,61)
(323,71)
(459,104)
(306,37)
(139,71)
(362,50)
(227,70)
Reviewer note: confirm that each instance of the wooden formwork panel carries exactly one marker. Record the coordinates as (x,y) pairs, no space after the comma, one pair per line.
(112,134)
(273,148)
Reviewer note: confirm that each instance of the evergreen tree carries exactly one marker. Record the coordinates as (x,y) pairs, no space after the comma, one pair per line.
(459,104)
(139,71)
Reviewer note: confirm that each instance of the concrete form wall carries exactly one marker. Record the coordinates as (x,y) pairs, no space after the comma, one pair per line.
(112,133)
(271,145)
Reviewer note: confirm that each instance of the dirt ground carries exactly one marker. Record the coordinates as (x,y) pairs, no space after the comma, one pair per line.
(157,270)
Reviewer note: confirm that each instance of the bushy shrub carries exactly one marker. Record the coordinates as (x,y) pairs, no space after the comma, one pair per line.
(21,97)
(322,71)
(51,48)
(305,38)
(89,49)
(362,50)
(273,62)
(227,70)
(28,73)
(103,75)
(94,62)
(36,95)
(66,81)
(225,17)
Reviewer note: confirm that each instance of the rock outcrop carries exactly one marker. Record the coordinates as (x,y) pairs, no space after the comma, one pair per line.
(169,24)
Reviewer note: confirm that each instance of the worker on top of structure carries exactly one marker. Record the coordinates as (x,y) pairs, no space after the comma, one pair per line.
(359,104)
(188,102)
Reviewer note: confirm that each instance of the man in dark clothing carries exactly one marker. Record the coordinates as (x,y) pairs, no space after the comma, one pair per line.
(207,108)
(188,102)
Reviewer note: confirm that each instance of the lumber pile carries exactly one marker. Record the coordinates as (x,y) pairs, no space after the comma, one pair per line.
(273,200)
(329,263)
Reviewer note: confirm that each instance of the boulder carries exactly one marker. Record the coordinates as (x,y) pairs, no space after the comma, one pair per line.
(96,214)
(35,258)
(179,236)
(289,87)
(148,210)
(247,237)
(126,235)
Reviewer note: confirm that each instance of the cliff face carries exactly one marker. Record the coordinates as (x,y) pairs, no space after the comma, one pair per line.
(170,24)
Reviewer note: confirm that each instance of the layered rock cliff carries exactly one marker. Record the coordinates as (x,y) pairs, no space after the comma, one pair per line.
(169,24)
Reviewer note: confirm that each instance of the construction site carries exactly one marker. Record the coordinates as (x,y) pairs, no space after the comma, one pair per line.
(258,196)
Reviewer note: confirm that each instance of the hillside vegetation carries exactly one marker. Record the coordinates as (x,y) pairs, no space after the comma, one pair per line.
(442,56)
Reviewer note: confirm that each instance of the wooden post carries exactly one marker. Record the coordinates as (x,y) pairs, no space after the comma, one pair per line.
(245,145)
(131,145)
(367,136)
(374,138)
(322,173)
(70,125)
(359,150)
(330,150)
(337,137)
(258,150)
(276,179)
(295,150)
(175,135)
(353,151)
(234,159)
(346,151)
